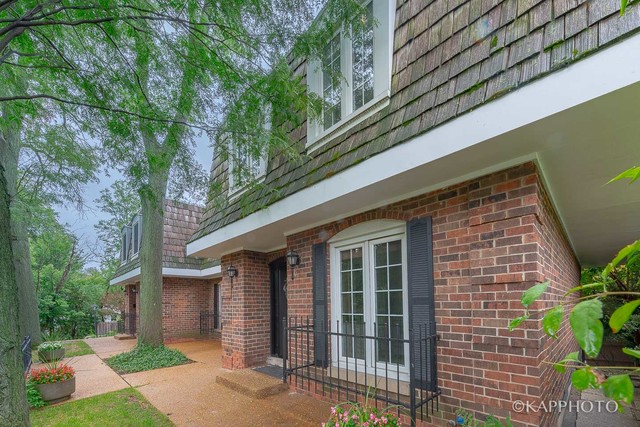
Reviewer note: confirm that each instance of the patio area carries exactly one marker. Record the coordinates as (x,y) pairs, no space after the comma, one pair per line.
(189,395)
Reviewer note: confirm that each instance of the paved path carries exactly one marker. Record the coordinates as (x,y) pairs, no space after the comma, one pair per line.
(629,418)
(108,346)
(189,395)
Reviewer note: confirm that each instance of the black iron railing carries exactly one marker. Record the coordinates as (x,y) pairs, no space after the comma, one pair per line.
(385,365)
(210,323)
(128,324)
(26,353)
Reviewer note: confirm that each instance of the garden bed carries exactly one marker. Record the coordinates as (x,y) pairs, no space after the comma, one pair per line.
(146,358)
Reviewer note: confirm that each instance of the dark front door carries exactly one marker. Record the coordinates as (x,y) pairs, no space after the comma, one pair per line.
(278,304)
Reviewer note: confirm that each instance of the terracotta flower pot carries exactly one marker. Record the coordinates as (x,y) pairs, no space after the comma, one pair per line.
(58,391)
(51,355)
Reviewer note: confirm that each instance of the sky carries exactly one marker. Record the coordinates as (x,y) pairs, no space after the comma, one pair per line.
(82,224)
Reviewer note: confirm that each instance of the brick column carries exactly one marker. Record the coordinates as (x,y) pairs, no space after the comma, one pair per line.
(246,310)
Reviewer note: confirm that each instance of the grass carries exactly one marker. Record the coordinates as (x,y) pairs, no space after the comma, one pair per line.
(146,358)
(116,409)
(72,348)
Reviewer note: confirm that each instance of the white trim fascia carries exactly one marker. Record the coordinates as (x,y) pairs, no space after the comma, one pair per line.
(126,276)
(171,272)
(437,186)
(608,70)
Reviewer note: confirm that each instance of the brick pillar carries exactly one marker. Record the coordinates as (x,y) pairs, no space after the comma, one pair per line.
(246,309)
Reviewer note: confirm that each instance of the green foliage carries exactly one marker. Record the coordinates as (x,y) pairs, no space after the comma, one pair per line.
(50,346)
(609,297)
(145,358)
(587,327)
(469,420)
(119,408)
(33,395)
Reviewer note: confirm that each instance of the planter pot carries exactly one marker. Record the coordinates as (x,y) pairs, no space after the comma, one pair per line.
(57,392)
(51,355)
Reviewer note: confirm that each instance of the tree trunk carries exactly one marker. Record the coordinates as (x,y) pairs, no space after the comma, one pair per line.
(9,156)
(13,398)
(152,198)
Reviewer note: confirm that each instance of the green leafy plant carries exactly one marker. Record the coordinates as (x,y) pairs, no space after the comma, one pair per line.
(33,395)
(467,419)
(587,316)
(145,358)
(50,346)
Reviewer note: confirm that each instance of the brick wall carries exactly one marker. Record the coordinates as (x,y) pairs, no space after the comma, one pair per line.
(182,301)
(246,310)
(493,238)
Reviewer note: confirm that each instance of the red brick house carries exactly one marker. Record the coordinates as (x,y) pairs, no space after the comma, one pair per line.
(191,291)
(462,160)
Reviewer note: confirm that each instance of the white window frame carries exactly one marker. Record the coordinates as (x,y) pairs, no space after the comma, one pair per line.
(126,239)
(366,242)
(383,31)
(135,244)
(236,188)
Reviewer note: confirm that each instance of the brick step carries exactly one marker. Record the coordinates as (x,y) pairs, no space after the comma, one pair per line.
(252,383)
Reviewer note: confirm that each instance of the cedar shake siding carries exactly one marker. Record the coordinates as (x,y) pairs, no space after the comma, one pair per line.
(449,57)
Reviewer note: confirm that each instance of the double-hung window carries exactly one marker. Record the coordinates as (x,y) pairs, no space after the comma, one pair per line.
(136,235)
(245,165)
(369,298)
(126,243)
(353,75)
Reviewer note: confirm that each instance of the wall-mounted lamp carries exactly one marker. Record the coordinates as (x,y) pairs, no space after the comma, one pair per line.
(232,272)
(293,259)
(134,290)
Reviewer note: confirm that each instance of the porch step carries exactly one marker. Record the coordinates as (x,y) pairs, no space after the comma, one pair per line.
(252,383)
(124,337)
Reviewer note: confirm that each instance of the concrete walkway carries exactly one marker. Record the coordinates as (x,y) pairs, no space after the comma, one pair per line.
(189,395)
(605,417)
(93,376)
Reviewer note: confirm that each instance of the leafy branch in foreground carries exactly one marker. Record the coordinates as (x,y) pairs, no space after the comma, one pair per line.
(586,319)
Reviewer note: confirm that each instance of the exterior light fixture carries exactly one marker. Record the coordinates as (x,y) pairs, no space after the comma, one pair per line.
(134,290)
(232,272)
(293,259)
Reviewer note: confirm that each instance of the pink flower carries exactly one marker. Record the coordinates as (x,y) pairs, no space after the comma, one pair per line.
(333,410)
(384,420)
(337,424)
(365,424)
(372,417)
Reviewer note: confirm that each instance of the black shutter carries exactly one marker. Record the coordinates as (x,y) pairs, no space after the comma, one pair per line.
(421,303)
(216,300)
(320,321)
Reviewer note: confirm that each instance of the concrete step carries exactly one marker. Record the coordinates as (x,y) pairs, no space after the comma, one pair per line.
(123,337)
(252,383)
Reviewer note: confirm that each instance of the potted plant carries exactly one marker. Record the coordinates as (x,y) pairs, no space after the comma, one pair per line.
(50,351)
(55,382)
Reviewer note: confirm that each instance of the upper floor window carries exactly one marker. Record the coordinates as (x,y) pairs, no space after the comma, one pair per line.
(136,235)
(245,165)
(126,242)
(353,77)
(131,239)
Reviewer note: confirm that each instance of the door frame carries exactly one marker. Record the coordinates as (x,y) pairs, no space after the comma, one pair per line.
(277,266)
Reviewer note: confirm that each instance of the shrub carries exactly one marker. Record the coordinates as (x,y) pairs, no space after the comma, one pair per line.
(52,374)
(145,358)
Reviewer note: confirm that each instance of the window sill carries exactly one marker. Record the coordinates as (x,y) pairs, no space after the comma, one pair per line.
(340,128)
(236,192)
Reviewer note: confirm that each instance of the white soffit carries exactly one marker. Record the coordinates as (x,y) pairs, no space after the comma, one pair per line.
(134,275)
(579,122)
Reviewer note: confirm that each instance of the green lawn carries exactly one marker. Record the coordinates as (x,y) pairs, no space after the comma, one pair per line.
(72,348)
(121,408)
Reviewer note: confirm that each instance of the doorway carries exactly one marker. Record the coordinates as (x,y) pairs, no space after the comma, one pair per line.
(278,269)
